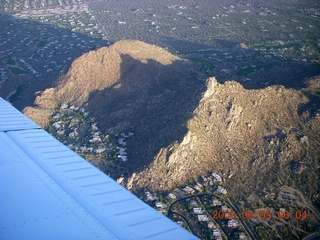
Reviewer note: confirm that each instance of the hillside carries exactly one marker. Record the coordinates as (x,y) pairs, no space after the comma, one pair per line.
(262,142)
(180,133)
(182,129)
(230,133)
(129,86)
(124,65)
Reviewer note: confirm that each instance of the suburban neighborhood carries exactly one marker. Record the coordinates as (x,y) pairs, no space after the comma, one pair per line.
(194,207)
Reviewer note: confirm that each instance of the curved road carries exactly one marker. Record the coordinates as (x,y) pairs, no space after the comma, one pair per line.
(192,196)
(229,202)
(170,212)
(252,234)
(313,236)
(180,215)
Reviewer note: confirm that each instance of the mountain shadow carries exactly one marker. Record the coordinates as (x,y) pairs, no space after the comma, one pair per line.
(151,100)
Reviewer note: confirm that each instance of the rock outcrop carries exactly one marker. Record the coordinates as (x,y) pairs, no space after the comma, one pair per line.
(98,70)
(228,133)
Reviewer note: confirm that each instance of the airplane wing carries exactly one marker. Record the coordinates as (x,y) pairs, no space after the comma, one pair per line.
(49,192)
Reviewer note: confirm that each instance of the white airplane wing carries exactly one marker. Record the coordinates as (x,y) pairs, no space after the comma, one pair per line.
(49,192)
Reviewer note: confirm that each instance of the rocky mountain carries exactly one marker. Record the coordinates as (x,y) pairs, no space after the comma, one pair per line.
(250,137)
(184,129)
(124,66)
(129,86)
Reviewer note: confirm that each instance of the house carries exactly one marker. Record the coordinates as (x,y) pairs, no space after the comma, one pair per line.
(61,132)
(122,142)
(225,209)
(81,149)
(207,181)
(64,106)
(100,150)
(193,203)
(58,125)
(74,120)
(95,139)
(122,154)
(171,196)
(189,190)
(217,177)
(221,190)
(124,135)
(216,233)
(242,236)
(229,214)
(198,211)
(181,223)
(198,187)
(56,116)
(149,196)
(123,158)
(233,223)
(202,218)
(216,202)
(160,205)
(73,134)
(211,225)
(94,127)
(122,151)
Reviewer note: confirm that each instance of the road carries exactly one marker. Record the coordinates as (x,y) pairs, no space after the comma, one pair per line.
(252,234)
(313,236)
(170,212)
(97,19)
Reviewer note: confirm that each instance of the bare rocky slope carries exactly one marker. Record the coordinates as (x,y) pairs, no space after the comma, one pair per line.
(109,67)
(183,129)
(230,133)
(129,86)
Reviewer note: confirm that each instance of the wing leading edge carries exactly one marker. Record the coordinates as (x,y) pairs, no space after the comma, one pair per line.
(49,192)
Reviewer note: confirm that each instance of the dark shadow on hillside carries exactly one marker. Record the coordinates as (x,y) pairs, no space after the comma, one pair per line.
(151,100)
(312,107)
(42,51)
